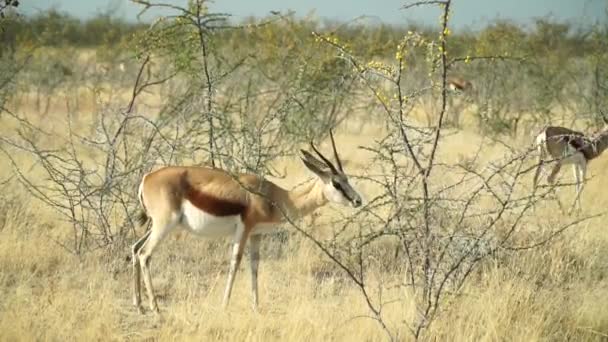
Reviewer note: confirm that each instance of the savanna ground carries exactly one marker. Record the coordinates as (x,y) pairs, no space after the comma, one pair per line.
(557,291)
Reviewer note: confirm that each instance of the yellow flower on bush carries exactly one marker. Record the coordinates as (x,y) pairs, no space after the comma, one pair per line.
(382,97)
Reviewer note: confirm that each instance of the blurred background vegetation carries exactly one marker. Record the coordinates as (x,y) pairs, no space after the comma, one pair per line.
(538,71)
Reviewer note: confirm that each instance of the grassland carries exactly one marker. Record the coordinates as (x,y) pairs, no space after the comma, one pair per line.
(556,292)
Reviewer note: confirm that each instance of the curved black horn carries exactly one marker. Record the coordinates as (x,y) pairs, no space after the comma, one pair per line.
(333,144)
(329,164)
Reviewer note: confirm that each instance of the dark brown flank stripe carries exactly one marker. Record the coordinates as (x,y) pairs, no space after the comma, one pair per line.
(214,205)
(581,144)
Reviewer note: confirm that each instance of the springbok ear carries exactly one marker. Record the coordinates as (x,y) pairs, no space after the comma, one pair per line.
(313,160)
(312,166)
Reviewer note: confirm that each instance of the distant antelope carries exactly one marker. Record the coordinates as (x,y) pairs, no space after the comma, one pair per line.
(566,146)
(458,84)
(104,68)
(210,202)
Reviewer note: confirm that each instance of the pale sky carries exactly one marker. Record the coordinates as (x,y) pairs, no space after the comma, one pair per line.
(466,13)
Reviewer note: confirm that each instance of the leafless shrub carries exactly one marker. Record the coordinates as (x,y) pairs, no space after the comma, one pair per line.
(448,218)
(91,179)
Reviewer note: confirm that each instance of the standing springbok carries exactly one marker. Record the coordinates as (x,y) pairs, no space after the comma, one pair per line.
(212,203)
(459,84)
(565,146)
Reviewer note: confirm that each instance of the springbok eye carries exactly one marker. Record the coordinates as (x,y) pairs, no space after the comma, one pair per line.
(336,184)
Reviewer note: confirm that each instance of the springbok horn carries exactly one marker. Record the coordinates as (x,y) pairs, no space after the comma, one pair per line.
(333,144)
(329,164)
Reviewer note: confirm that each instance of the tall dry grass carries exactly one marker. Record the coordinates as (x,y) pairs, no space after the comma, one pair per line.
(556,292)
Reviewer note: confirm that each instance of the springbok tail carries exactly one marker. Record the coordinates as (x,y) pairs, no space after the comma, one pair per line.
(142,216)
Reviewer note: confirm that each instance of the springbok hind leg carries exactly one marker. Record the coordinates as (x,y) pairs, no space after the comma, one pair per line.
(551,180)
(539,169)
(137,270)
(579,170)
(159,230)
(554,172)
(240,239)
(254,255)
(541,154)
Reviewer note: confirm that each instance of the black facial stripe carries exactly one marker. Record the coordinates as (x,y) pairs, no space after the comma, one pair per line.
(338,187)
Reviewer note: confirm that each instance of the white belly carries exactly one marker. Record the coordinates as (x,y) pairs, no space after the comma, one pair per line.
(204,224)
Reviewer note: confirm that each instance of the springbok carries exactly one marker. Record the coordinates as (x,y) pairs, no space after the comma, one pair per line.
(458,84)
(565,146)
(212,203)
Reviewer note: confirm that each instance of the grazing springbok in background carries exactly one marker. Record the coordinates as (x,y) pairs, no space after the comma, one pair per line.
(210,202)
(104,68)
(458,84)
(565,146)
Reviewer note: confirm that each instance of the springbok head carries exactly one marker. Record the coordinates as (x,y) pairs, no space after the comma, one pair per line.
(337,188)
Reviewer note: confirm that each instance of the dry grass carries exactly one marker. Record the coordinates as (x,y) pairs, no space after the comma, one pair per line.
(557,292)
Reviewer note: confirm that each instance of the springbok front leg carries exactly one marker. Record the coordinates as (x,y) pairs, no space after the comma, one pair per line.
(579,168)
(240,240)
(254,251)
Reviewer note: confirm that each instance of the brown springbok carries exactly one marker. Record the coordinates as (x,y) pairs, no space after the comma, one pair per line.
(565,146)
(212,203)
(458,84)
